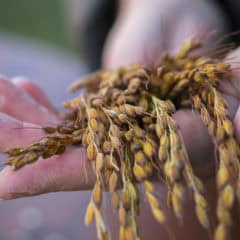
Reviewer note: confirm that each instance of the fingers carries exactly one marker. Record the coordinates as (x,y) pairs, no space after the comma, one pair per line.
(237,124)
(70,171)
(189,28)
(197,141)
(16,133)
(142,30)
(134,38)
(232,90)
(231,86)
(15,102)
(200,20)
(35,92)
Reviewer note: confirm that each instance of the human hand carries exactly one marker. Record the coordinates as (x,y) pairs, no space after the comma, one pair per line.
(66,172)
(144,29)
(24,110)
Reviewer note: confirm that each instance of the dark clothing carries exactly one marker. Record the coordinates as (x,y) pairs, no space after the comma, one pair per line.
(94,32)
(232,10)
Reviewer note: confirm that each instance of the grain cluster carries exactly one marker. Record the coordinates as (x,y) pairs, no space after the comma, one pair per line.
(124,119)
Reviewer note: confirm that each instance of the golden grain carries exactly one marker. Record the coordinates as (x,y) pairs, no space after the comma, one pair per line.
(220,233)
(89,215)
(159,215)
(122,214)
(115,200)
(113,180)
(125,122)
(227,196)
(97,194)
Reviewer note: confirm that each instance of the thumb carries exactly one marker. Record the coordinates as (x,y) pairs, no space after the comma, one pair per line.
(70,171)
(135,37)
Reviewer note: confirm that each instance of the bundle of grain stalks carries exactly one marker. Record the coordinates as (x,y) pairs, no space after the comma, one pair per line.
(124,120)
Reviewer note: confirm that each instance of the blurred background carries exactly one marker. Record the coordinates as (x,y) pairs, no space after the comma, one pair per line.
(35,42)
(41,20)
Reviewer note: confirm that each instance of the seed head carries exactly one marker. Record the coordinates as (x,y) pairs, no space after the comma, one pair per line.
(89,216)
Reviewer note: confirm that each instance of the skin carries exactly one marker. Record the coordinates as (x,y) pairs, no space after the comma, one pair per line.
(138,27)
